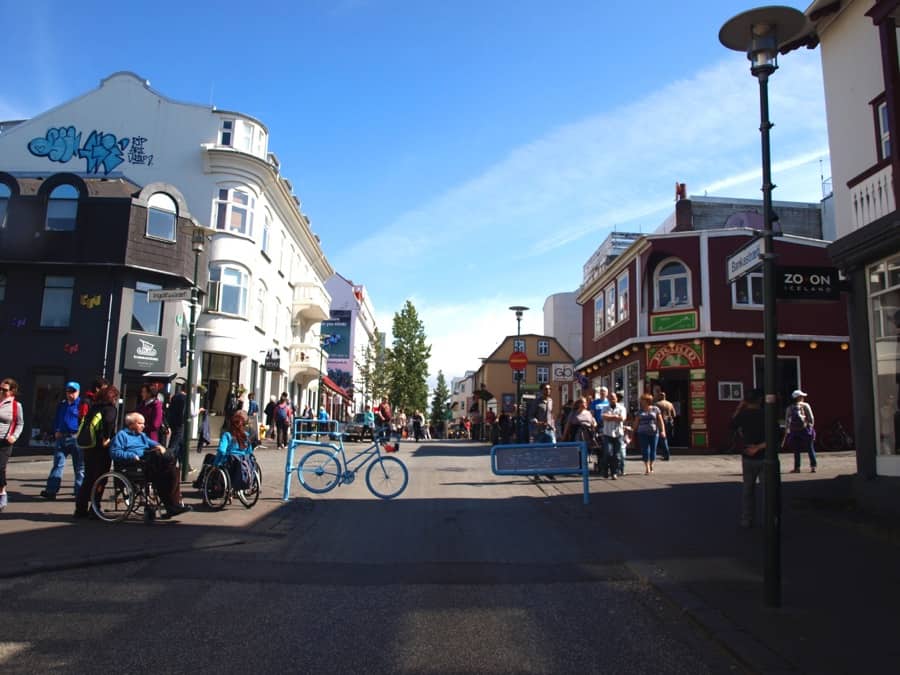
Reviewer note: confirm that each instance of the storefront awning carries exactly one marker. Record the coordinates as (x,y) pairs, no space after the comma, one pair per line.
(332,385)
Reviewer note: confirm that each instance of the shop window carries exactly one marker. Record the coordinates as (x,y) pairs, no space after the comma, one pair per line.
(748,291)
(673,285)
(731,391)
(146,316)
(234,211)
(62,208)
(543,347)
(227,290)
(5,194)
(56,305)
(884,305)
(161,216)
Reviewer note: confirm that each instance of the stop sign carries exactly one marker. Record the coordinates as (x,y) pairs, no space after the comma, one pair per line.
(518,360)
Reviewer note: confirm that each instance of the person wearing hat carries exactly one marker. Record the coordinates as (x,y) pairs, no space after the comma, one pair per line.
(65,427)
(799,430)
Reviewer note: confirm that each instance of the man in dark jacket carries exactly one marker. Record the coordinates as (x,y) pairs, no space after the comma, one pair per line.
(749,421)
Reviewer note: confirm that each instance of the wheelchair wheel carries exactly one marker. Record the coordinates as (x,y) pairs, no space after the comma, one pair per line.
(319,471)
(250,496)
(113,497)
(215,488)
(387,477)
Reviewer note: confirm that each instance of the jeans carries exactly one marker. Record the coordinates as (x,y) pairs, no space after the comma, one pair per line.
(663,445)
(66,446)
(5,452)
(615,454)
(752,470)
(648,442)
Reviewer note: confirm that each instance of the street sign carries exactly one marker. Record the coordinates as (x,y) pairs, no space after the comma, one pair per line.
(169,294)
(518,360)
(745,260)
(807,283)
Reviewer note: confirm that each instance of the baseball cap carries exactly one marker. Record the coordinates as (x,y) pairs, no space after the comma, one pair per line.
(73,385)
(797,392)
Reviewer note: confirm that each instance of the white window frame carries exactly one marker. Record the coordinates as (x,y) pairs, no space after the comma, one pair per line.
(266,237)
(731,391)
(599,314)
(518,344)
(57,295)
(228,205)
(622,295)
(226,133)
(747,282)
(671,281)
(262,297)
(883,129)
(62,208)
(543,347)
(216,288)
(162,217)
(543,374)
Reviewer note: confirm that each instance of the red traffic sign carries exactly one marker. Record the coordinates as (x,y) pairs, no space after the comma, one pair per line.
(518,360)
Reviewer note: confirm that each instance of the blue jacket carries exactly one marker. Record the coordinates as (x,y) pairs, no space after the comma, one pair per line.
(128,445)
(67,417)
(229,446)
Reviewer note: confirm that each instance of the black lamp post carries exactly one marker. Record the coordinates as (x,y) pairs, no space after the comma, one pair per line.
(198,240)
(759,33)
(519,309)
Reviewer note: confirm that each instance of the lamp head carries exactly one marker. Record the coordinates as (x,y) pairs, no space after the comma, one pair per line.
(198,240)
(761,32)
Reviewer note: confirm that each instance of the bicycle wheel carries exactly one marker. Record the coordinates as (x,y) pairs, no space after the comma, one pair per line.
(250,496)
(387,477)
(319,471)
(112,497)
(215,488)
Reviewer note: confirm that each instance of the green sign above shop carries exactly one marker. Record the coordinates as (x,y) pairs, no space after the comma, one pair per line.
(673,323)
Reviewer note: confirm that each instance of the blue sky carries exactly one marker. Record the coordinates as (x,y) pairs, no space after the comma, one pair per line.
(466,155)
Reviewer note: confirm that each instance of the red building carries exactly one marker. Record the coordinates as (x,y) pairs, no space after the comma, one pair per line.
(662,315)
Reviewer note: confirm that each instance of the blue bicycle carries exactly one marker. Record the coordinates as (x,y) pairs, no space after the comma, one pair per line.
(322,470)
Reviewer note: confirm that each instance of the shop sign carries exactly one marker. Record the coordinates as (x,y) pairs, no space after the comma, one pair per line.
(674,322)
(563,372)
(273,359)
(678,355)
(807,283)
(144,352)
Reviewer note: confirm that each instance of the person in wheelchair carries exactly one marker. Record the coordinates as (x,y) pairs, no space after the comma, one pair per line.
(237,441)
(131,446)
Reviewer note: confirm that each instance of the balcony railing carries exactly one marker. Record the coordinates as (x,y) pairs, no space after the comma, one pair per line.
(306,358)
(872,198)
(311,301)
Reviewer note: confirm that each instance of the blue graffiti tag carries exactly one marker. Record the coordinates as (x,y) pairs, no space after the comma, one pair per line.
(102,149)
(58,145)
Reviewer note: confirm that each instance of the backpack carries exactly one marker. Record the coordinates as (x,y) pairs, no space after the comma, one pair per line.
(243,471)
(281,414)
(89,430)
(797,419)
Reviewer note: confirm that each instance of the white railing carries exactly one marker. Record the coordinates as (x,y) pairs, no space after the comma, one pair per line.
(310,294)
(307,356)
(873,198)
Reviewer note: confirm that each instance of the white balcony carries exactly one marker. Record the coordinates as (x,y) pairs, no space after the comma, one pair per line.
(873,198)
(311,302)
(305,360)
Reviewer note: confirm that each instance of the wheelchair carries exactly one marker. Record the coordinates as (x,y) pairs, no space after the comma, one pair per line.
(126,489)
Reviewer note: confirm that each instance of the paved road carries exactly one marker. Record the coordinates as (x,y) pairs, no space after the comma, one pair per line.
(465,572)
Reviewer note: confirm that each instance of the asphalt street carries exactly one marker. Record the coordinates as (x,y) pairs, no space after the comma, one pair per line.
(465,572)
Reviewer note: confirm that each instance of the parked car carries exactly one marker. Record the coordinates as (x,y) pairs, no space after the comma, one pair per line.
(355,430)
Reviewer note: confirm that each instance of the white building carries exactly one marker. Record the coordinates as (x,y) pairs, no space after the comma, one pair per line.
(352,327)
(266,295)
(562,320)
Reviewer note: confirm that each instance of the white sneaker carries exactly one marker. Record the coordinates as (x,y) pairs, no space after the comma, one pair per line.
(4,500)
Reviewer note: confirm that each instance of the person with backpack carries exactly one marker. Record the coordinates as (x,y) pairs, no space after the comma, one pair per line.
(65,427)
(94,436)
(11,424)
(799,430)
(283,415)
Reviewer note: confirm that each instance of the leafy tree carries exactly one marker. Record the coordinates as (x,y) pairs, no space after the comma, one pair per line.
(439,402)
(373,371)
(408,361)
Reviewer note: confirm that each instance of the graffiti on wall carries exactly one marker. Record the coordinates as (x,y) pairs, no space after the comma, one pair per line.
(101,150)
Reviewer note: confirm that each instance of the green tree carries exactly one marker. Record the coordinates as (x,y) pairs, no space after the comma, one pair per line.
(439,402)
(408,361)
(373,371)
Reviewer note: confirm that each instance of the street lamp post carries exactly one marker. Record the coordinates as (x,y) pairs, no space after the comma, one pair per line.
(518,309)
(198,239)
(324,339)
(759,33)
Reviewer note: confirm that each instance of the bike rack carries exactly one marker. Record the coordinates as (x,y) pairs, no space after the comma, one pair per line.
(303,430)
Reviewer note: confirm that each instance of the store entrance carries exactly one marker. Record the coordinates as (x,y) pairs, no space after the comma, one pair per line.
(676,384)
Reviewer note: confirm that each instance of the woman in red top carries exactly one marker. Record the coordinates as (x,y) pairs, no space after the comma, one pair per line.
(151,408)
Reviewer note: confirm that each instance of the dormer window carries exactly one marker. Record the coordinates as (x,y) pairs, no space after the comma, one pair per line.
(161,217)
(62,208)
